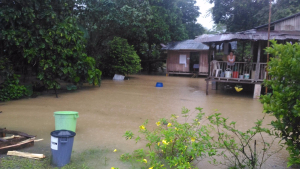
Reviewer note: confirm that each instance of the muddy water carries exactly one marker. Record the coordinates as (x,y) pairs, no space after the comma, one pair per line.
(105,113)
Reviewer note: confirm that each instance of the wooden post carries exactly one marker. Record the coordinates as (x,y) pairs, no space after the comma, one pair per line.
(209,53)
(206,86)
(208,76)
(257,69)
(269,28)
(167,73)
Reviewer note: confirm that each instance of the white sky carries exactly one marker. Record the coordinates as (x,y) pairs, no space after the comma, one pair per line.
(206,22)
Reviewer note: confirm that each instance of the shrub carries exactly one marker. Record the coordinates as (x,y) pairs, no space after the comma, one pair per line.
(11,89)
(248,149)
(173,144)
(176,145)
(284,102)
(121,58)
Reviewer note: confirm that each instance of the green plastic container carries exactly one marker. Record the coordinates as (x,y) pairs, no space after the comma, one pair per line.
(66,120)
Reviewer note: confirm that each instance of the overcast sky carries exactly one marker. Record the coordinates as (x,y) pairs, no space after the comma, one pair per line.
(204,7)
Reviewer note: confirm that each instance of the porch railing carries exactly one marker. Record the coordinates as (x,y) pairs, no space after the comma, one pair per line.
(254,71)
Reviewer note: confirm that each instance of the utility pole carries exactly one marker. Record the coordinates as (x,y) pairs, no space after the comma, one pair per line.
(269,29)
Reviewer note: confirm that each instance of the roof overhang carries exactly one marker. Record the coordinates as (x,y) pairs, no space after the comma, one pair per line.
(250,35)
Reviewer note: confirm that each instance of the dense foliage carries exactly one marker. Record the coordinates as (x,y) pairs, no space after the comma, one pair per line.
(121,58)
(11,89)
(240,15)
(43,36)
(145,24)
(284,103)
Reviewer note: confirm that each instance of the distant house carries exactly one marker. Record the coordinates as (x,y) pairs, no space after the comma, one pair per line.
(186,57)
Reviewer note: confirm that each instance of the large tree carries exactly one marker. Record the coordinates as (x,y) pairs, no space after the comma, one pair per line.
(239,15)
(44,35)
(145,24)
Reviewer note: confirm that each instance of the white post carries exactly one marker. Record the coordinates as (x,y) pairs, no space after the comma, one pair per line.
(257,91)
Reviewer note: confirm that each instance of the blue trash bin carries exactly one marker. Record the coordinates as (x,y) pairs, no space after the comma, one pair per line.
(61,147)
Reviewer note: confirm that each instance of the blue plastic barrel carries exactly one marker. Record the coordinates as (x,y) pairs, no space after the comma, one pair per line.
(61,147)
(159,84)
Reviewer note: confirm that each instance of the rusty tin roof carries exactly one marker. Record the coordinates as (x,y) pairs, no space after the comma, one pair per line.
(252,34)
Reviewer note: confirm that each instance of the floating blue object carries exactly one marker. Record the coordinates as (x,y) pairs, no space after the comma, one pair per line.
(159,84)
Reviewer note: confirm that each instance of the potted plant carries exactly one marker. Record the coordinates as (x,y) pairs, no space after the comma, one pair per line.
(241,76)
(248,65)
(235,73)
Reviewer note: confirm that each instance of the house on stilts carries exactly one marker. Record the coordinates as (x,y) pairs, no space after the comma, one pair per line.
(283,30)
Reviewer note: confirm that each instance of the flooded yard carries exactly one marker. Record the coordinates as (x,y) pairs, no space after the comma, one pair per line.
(105,113)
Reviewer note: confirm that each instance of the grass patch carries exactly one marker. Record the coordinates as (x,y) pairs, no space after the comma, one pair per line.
(88,159)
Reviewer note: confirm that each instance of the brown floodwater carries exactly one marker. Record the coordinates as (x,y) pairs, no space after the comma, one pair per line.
(105,113)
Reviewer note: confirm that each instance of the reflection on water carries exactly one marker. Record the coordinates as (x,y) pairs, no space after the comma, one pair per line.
(105,113)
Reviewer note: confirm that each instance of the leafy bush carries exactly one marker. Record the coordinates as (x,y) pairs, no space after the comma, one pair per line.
(284,102)
(173,144)
(10,89)
(176,145)
(121,58)
(247,149)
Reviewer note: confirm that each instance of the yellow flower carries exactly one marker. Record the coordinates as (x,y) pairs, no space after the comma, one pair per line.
(158,143)
(151,168)
(169,124)
(176,128)
(165,142)
(115,150)
(158,123)
(198,122)
(145,160)
(142,127)
(112,168)
(192,139)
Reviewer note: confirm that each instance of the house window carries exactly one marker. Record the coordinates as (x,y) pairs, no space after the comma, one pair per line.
(182,59)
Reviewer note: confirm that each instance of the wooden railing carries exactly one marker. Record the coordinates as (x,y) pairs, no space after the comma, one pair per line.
(254,71)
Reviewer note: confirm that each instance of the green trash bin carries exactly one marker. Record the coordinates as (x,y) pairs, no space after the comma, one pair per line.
(66,120)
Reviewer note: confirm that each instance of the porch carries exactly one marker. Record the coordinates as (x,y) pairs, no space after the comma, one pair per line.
(241,72)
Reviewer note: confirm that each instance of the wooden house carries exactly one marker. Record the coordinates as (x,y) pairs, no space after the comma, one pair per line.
(283,30)
(186,57)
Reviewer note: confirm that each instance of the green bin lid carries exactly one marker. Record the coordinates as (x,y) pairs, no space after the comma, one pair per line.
(66,112)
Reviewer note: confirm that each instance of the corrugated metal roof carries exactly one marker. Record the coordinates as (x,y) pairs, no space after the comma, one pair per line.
(250,35)
(185,45)
(280,20)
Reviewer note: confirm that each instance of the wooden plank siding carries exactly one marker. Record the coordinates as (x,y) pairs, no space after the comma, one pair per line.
(173,62)
(292,24)
(203,62)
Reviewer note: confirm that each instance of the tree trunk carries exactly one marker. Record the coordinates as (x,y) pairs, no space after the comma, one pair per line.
(55,91)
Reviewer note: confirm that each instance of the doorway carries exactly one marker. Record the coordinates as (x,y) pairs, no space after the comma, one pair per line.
(194,61)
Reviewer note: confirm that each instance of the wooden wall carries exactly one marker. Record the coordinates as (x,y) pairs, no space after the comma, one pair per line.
(173,62)
(203,62)
(292,24)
